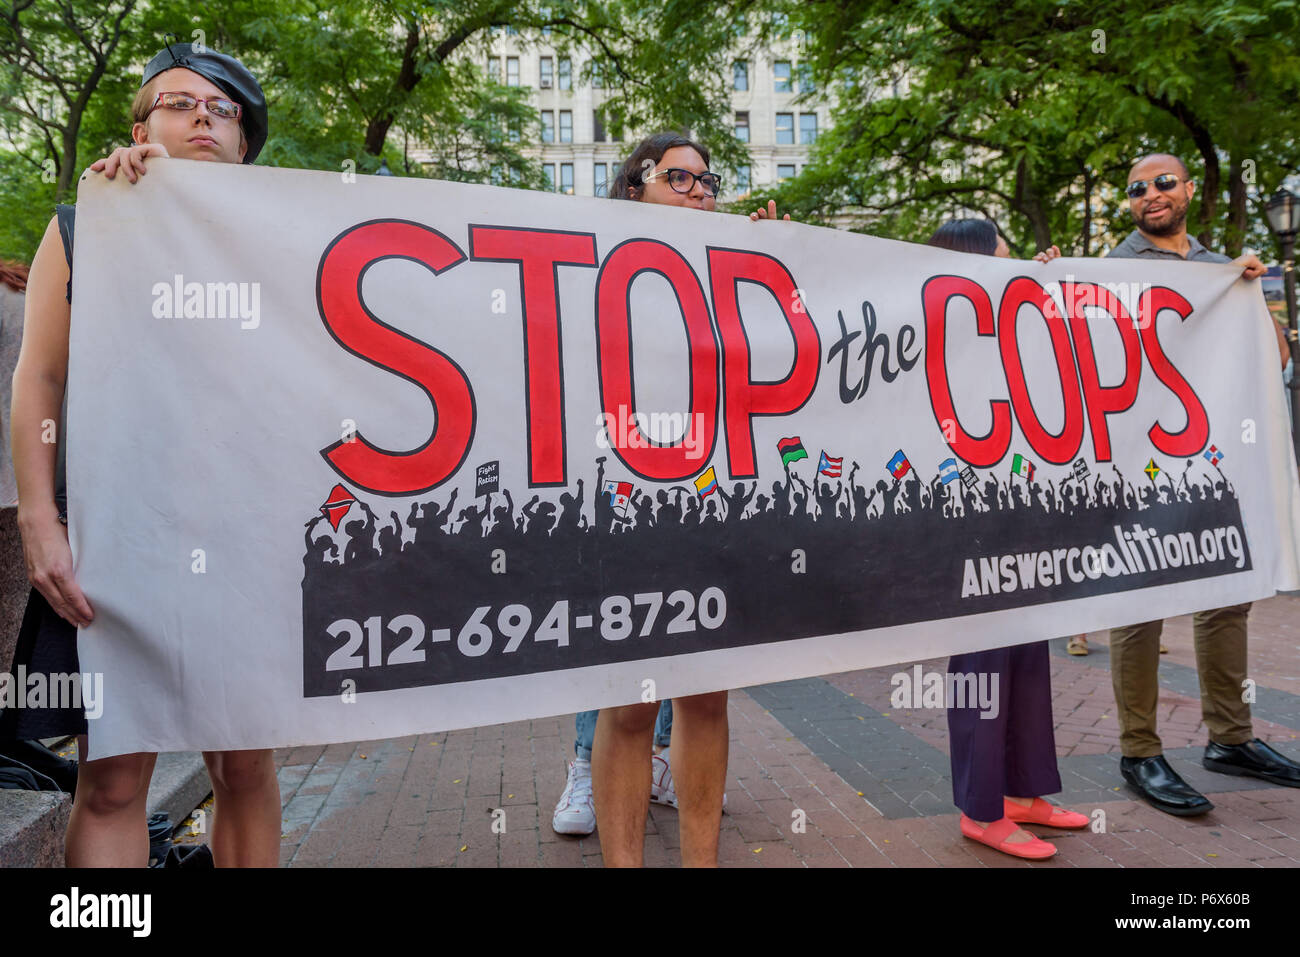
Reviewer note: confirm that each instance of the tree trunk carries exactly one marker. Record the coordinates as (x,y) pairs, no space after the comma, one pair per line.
(1028,203)
(67,158)
(1235,234)
(1086,231)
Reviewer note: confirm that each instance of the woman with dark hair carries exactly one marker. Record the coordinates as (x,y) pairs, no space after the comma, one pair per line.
(997,760)
(668,169)
(656,173)
(193,104)
(974,236)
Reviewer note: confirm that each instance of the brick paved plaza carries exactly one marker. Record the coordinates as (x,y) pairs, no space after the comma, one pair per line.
(873,781)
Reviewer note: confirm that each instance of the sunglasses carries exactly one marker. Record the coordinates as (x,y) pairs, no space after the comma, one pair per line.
(1164,182)
(683,180)
(217,106)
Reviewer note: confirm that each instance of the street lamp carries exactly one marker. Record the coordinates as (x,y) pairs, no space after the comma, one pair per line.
(1283,213)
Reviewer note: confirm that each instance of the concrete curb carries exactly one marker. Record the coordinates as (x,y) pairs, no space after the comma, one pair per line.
(32,823)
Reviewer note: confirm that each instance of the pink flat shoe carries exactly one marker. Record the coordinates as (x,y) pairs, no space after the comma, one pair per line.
(1040,812)
(996,834)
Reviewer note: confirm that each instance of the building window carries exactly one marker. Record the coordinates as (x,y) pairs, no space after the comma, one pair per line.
(566,178)
(781,74)
(548,171)
(807,128)
(544,76)
(742,127)
(597,77)
(512,31)
(566,126)
(597,128)
(743,181)
(494,68)
(784,129)
(806,84)
(548,126)
(514,134)
(599,177)
(740,75)
(566,73)
(512,71)
(784,171)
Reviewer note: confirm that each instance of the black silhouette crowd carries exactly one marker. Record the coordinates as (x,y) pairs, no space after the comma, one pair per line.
(791,505)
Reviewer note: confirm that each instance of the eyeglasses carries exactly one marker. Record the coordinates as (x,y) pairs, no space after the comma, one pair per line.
(217,106)
(1164,182)
(683,180)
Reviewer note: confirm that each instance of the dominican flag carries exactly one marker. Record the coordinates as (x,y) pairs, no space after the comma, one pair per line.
(898,466)
(1213,455)
(620,495)
(707,483)
(792,450)
(948,471)
(1023,467)
(828,466)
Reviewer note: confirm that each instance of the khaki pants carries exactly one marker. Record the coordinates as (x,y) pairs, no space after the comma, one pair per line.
(1220,636)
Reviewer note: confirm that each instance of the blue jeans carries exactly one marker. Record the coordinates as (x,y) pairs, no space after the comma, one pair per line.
(585,728)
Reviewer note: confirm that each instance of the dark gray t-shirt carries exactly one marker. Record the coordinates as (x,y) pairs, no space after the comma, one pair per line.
(1137,246)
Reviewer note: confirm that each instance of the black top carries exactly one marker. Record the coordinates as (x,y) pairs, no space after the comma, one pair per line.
(67,223)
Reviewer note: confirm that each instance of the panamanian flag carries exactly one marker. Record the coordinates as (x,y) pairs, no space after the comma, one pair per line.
(830,467)
(898,466)
(948,471)
(620,495)
(1023,467)
(707,483)
(1213,455)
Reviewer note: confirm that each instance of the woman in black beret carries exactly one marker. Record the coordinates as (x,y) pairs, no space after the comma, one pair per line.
(194,104)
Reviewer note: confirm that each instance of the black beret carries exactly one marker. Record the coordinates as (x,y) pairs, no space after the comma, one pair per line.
(230,75)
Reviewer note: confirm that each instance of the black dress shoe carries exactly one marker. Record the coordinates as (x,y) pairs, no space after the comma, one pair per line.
(1254,758)
(1160,784)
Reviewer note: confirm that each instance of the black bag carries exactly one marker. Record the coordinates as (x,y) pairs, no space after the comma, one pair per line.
(32,754)
(23,773)
(194,857)
(160,837)
(17,779)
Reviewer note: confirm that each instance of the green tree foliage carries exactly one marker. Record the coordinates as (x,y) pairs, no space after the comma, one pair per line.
(1030,112)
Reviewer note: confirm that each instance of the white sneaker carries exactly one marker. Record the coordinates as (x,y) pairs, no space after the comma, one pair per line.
(661,780)
(575,813)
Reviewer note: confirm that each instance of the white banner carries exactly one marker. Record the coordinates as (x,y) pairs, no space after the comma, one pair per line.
(351,460)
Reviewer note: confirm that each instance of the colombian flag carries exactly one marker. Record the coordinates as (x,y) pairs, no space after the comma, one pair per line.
(707,483)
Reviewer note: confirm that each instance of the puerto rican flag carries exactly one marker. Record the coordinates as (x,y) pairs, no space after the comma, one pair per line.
(830,467)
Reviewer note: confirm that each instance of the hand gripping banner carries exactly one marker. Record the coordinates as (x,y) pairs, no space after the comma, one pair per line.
(357,459)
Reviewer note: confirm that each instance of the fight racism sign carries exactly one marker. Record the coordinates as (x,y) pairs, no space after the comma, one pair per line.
(402,456)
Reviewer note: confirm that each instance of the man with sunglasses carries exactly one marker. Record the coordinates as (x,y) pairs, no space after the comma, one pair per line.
(1160,191)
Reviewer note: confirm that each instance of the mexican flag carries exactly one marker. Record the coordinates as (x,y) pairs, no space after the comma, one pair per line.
(1023,467)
